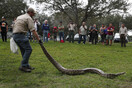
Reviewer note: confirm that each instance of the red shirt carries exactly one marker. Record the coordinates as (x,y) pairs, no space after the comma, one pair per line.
(110,28)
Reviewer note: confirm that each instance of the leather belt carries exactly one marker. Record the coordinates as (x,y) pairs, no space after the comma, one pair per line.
(20,33)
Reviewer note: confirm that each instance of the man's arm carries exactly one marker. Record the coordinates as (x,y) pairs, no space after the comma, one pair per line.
(113,29)
(39,23)
(96,29)
(7,28)
(0,28)
(120,31)
(59,27)
(79,32)
(100,31)
(32,29)
(84,27)
(68,26)
(36,35)
(42,27)
(48,28)
(63,27)
(126,32)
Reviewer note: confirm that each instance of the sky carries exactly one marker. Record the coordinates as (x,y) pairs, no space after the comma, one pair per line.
(39,7)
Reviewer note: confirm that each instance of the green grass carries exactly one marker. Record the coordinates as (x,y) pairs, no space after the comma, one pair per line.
(111,59)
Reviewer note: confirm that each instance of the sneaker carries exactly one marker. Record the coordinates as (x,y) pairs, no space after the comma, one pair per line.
(24,69)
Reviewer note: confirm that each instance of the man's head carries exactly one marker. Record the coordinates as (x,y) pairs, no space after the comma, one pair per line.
(123,25)
(46,21)
(71,22)
(110,24)
(60,22)
(102,25)
(31,12)
(83,23)
(3,18)
(94,25)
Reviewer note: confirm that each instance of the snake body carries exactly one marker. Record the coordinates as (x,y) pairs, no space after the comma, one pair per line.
(77,71)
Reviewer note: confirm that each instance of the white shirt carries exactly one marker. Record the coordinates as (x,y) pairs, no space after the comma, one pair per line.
(83,30)
(35,25)
(123,31)
(71,27)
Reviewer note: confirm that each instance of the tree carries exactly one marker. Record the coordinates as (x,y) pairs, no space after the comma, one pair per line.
(79,11)
(127,20)
(12,8)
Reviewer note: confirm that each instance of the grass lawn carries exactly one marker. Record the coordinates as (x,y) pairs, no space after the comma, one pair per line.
(111,59)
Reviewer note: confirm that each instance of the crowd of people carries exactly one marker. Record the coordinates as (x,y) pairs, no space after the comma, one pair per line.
(105,32)
(25,23)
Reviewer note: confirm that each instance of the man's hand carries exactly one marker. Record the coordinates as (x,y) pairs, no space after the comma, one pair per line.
(84,27)
(59,28)
(40,41)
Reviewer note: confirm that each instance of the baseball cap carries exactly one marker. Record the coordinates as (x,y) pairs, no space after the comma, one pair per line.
(31,10)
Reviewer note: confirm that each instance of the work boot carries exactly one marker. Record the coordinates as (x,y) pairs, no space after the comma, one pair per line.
(31,68)
(24,69)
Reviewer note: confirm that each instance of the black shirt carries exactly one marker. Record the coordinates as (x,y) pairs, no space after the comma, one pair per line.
(94,28)
(3,25)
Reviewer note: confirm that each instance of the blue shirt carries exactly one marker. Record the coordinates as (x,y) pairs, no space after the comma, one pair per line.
(105,31)
(45,27)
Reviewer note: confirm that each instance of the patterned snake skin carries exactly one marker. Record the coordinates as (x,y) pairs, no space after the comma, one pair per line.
(78,71)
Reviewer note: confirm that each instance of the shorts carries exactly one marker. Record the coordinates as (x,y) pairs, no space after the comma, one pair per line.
(109,37)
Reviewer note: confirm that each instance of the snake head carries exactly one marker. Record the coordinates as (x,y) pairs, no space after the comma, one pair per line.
(111,76)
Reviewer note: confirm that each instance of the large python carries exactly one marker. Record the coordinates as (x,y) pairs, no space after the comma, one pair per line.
(78,71)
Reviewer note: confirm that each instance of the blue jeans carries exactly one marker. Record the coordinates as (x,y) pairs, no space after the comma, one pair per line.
(23,42)
(80,38)
(61,34)
(45,35)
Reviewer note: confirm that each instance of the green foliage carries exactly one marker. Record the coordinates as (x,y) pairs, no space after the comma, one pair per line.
(116,20)
(127,21)
(12,8)
(111,59)
(81,11)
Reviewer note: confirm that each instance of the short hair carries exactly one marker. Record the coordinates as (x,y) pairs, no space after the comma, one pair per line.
(94,25)
(45,21)
(31,10)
